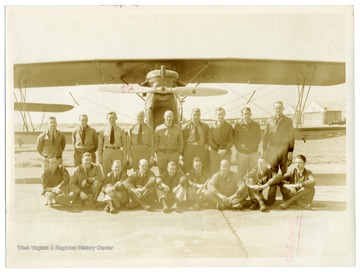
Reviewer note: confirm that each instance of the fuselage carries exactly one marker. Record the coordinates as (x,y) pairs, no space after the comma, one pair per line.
(157,104)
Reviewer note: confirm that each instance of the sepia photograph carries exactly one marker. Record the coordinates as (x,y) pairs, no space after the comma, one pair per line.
(179,136)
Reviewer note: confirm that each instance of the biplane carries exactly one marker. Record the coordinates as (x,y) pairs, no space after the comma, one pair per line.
(165,83)
(25,108)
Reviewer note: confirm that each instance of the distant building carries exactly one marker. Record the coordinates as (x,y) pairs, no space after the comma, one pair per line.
(324,112)
(319,112)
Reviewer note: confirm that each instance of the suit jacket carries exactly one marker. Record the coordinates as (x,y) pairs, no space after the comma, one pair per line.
(187,129)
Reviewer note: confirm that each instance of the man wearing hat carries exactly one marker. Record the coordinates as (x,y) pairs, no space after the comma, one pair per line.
(55,182)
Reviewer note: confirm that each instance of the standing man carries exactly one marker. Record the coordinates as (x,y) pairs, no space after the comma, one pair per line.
(262,184)
(298,185)
(278,145)
(51,143)
(141,186)
(85,139)
(221,139)
(141,142)
(86,181)
(55,182)
(196,140)
(169,142)
(247,139)
(112,144)
(226,189)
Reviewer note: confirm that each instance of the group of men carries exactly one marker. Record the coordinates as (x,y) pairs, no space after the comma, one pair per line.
(193,161)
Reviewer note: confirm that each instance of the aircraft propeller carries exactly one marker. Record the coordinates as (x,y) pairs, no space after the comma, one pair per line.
(184,91)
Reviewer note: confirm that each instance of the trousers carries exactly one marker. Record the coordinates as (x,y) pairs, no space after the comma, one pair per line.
(246,162)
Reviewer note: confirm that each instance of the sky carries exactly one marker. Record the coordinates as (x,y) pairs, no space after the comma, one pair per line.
(42,34)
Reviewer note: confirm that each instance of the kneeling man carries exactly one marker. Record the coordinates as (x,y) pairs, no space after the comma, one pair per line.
(198,180)
(171,188)
(226,188)
(86,181)
(298,185)
(115,194)
(55,182)
(141,186)
(262,184)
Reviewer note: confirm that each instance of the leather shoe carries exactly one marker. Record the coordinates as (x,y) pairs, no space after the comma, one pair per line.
(284,206)
(176,208)
(254,206)
(303,205)
(237,206)
(166,209)
(196,206)
(263,207)
(62,200)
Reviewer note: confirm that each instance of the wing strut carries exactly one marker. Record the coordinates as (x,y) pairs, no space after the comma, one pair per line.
(300,106)
(42,120)
(23,116)
(74,99)
(24,110)
(202,70)
(100,73)
(143,99)
(251,97)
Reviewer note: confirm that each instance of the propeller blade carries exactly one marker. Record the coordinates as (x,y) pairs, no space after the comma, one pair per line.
(116,88)
(198,91)
(184,91)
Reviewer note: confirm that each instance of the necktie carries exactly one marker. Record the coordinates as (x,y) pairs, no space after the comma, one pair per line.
(139,138)
(197,176)
(83,135)
(53,137)
(197,135)
(112,137)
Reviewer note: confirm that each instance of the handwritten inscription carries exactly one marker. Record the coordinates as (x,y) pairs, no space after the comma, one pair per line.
(293,238)
(126,89)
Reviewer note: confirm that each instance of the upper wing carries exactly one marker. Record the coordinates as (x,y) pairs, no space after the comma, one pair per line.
(253,71)
(41,107)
